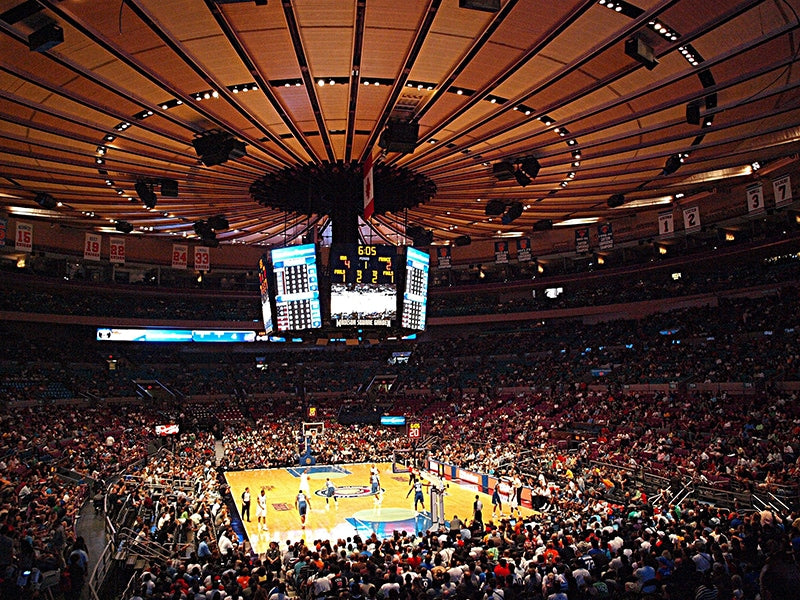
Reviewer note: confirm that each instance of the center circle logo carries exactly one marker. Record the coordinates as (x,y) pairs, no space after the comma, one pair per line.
(348,491)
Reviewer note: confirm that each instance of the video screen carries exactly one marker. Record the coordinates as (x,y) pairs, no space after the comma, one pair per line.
(297,303)
(363,288)
(415,297)
(263,286)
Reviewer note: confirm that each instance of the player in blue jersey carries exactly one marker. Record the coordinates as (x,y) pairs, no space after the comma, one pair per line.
(302,504)
(330,492)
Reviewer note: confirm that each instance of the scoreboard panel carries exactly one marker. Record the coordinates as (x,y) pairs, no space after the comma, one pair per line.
(297,288)
(415,297)
(263,287)
(363,288)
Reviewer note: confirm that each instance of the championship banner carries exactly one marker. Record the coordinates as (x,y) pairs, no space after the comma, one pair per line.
(116,250)
(666,224)
(524,250)
(582,240)
(691,219)
(24,238)
(369,189)
(179,256)
(605,236)
(3,230)
(202,258)
(91,247)
(755,199)
(782,188)
(443,257)
(501,252)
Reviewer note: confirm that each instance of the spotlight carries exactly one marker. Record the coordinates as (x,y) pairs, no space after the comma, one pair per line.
(637,48)
(123,227)
(673,163)
(522,178)
(616,200)
(494,208)
(462,240)
(399,136)
(484,5)
(169,188)
(46,37)
(146,194)
(543,225)
(514,212)
(503,171)
(46,201)
(530,166)
(218,223)
(693,113)
(217,147)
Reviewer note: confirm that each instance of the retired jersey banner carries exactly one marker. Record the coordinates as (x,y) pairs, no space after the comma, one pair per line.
(3,230)
(179,256)
(782,188)
(755,199)
(91,247)
(524,250)
(691,219)
(202,258)
(605,236)
(501,252)
(116,250)
(23,241)
(443,257)
(666,224)
(582,240)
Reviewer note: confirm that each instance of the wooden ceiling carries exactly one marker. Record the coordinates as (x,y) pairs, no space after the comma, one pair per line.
(313,81)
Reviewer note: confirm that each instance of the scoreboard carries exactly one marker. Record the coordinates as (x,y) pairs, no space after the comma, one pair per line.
(297,288)
(363,288)
(263,286)
(415,297)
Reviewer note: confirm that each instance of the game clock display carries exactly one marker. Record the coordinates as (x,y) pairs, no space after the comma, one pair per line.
(363,288)
(297,303)
(415,297)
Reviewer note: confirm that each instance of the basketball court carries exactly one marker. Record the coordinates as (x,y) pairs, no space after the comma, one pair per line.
(357,511)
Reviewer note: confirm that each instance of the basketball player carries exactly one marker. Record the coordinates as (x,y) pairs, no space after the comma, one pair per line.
(330,492)
(497,501)
(261,509)
(302,503)
(305,486)
(418,496)
(375,485)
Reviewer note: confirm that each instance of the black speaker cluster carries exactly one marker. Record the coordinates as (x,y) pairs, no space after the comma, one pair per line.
(216,147)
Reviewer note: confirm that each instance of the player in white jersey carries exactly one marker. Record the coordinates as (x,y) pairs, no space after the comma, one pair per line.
(305,485)
(261,509)
(330,492)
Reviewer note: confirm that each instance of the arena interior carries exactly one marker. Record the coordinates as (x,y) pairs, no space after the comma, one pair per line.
(420,300)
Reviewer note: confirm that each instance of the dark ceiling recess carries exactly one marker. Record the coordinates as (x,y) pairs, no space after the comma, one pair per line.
(337,189)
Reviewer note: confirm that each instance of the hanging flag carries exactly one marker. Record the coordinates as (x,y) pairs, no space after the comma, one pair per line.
(501,252)
(582,240)
(666,224)
(179,256)
(524,250)
(116,250)
(691,219)
(605,236)
(91,249)
(369,190)
(24,239)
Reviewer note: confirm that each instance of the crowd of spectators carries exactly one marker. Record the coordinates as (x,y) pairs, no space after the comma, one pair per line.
(705,275)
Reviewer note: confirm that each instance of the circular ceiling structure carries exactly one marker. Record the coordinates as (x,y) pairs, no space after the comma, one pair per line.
(576,111)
